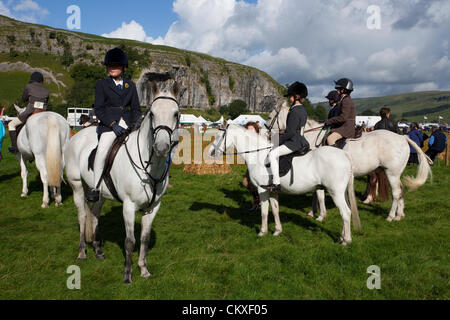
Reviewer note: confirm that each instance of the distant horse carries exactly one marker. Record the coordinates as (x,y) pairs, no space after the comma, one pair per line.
(44,138)
(328,167)
(139,174)
(380,149)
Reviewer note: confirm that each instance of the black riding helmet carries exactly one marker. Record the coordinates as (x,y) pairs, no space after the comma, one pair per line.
(333,95)
(297,88)
(36,77)
(116,56)
(344,83)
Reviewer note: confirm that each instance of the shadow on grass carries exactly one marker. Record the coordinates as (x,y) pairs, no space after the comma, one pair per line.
(253,219)
(112,229)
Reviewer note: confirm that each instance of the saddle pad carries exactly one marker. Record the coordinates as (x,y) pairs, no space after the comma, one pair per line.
(285,162)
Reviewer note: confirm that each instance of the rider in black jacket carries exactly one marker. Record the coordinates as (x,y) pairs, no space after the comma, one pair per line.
(117,107)
(293,139)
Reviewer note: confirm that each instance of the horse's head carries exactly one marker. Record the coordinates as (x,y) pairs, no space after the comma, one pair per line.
(18,109)
(164,118)
(277,118)
(221,143)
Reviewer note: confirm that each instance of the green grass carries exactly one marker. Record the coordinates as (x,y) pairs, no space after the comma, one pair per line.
(204,245)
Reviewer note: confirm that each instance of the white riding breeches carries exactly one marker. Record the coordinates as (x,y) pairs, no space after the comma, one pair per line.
(104,145)
(274,155)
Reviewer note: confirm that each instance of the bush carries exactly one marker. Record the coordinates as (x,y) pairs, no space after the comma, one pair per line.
(89,47)
(11,39)
(236,108)
(52,35)
(231,83)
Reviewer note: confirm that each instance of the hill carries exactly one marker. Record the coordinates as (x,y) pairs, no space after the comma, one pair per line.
(411,106)
(206,81)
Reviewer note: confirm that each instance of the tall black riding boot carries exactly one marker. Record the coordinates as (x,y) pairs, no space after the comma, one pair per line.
(13,148)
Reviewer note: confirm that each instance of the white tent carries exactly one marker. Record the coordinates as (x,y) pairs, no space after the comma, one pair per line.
(202,120)
(189,119)
(244,119)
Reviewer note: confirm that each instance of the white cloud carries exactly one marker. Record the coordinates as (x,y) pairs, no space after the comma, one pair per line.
(5,11)
(131,31)
(427,86)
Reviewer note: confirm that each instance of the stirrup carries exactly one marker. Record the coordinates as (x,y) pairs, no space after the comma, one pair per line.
(93,196)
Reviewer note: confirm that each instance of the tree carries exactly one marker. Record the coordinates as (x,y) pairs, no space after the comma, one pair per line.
(321,113)
(368,112)
(236,108)
(83,91)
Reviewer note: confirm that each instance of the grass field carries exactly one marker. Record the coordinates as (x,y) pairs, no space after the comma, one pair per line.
(204,245)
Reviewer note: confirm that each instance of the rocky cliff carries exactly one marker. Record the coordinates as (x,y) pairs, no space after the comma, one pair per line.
(205,81)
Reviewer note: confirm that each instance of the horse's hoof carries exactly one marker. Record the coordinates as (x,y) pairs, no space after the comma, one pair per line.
(24,195)
(58,204)
(398,218)
(310,215)
(262,234)
(82,256)
(276,233)
(146,275)
(100,256)
(320,219)
(127,281)
(44,206)
(389,219)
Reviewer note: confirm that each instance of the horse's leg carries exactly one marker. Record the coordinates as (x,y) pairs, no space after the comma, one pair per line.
(344,210)
(371,188)
(24,175)
(394,181)
(401,205)
(276,214)
(78,199)
(95,216)
(314,207)
(264,198)
(147,220)
(323,208)
(129,211)
(58,197)
(40,164)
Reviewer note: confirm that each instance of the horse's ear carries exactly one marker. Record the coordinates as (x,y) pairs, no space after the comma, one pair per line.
(155,89)
(18,109)
(175,89)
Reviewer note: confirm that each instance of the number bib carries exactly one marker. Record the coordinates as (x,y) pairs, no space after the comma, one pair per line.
(39,105)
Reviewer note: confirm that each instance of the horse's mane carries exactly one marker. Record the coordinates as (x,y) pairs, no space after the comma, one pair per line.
(251,134)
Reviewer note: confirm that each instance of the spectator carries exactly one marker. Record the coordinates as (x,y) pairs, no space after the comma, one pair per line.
(437,143)
(252,126)
(2,135)
(416,135)
(386,123)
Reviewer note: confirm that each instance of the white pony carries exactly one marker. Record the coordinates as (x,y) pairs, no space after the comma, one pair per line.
(44,138)
(328,167)
(376,149)
(139,174)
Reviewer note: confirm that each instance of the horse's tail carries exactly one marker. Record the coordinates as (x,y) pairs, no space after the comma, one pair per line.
(423,170)
(352,197)
(53,154)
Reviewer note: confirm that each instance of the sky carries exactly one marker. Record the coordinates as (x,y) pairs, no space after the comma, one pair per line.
(384,46)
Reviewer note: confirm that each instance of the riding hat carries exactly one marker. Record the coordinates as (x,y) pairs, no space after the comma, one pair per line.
(333,95)
(36,77)
(344,83)
(297,88)
(116,56)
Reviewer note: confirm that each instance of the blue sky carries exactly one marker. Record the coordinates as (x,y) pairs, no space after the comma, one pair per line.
(384,46)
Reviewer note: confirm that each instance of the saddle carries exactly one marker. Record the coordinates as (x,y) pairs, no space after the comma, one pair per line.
(342,142)
(106,174)
(285,162)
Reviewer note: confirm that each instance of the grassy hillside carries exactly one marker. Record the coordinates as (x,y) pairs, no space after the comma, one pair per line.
(412,106)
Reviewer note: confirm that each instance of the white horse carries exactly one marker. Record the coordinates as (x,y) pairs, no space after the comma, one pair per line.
(139,174)
(44,138)
(328,167)
(376,149)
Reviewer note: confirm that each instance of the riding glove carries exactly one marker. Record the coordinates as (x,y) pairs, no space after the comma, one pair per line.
(118,130)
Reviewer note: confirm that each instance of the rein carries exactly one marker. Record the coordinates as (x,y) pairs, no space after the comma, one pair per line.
(239,153)
(153,181)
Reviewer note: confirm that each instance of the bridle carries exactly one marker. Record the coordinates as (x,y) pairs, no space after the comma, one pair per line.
(272,123)
(225,130)
(145,165)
